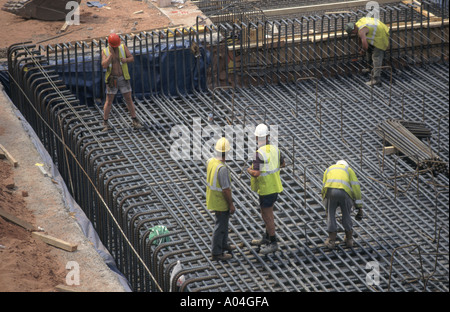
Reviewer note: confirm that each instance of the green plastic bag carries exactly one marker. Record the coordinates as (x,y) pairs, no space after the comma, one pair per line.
(156,231)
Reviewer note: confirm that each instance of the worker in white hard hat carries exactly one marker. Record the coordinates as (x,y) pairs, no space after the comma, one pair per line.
(266,181)
(219,200)
(341,189)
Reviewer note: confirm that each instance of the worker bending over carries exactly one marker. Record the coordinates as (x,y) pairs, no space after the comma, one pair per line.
(373,39)
(341,189)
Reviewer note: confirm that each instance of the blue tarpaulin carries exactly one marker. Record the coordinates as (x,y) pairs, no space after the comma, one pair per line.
(167,69)
(4,77)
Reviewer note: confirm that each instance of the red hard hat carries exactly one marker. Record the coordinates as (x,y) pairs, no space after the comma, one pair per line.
(114,40)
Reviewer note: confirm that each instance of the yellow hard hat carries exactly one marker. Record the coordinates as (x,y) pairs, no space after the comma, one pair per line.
(223,145)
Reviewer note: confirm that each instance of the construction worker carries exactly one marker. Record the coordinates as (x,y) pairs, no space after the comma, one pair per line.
(341,189)
(115,59)
(265,180)
(219,200)
(373,41)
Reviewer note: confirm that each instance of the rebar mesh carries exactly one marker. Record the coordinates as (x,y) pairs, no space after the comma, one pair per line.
(128,181)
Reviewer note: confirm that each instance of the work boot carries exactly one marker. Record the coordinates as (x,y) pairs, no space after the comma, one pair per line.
(349,238)
(269,248)
(106,126)
(331,240)
(137,124)
(262,241)
(374,82)
(222,257)
(229,247)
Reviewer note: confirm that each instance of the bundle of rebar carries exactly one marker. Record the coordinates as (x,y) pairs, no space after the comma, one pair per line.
(405,137)
(419,129)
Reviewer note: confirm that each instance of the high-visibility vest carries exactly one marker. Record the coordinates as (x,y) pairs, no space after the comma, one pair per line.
(269,181)
(122,55)
(342,177)
(215,200)
(378,35)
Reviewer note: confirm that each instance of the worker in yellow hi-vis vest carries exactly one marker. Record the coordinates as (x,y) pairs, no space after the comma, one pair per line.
(341,188)
(266,181)
(115,58)
(219,200)
(373,41)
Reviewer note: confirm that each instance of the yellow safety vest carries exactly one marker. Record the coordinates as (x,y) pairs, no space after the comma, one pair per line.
(378,35)
(269,181)
(342,177)
(215,200)
(122,55)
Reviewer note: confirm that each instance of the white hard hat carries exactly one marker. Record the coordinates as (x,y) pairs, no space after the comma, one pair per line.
(342,162)
(222,145)
(261,131)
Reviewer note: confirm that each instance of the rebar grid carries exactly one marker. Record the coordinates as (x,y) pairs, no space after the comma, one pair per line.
(143,185)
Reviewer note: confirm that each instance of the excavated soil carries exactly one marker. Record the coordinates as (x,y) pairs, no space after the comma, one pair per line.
(26,264)
(121,16)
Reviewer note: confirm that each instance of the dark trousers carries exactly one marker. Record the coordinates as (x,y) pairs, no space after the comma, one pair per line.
(338,198)
(220,235)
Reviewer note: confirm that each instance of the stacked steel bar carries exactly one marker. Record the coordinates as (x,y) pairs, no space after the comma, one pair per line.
(399,134)
(418,129)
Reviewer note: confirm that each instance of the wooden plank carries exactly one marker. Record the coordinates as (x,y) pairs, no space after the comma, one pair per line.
(64,27)
(340,33)
(15,220)
(56,242)
(389,150)
(9,156)
(319,7)
(424,12)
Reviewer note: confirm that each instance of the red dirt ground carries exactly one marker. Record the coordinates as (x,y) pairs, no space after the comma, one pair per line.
(26,264)
(94,23)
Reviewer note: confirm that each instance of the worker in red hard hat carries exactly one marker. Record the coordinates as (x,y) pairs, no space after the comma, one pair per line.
(115,58)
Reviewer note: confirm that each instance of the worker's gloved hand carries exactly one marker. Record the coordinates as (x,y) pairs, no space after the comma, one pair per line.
(359,215)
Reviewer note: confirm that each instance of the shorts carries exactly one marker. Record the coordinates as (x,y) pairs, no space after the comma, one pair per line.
(123,85)
(266,201)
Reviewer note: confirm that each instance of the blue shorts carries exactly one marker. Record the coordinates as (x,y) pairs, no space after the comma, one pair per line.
(266,201)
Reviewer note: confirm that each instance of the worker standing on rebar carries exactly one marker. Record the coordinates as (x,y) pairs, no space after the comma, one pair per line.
(341,189)
(373,39)
(115,58)
(266,181)
(219,200)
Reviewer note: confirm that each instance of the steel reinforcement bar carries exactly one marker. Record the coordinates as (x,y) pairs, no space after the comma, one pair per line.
(129,181)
